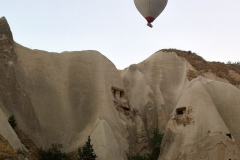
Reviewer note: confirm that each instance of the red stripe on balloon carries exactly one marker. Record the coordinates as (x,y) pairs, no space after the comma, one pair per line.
(150,19)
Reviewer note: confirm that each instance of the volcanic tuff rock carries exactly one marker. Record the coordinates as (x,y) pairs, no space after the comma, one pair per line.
(6,151)
(199,116)
(63,98)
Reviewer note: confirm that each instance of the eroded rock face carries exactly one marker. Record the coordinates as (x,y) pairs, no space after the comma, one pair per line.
(8,133)
(9,89)
(6,38)
(6,151)
(154,87)
(64,98)
(198,128)
(196,114)
(14,100)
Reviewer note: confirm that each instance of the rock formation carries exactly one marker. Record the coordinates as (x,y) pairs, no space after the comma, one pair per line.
(60,98)
(6,151)
(198,114)
(63,98)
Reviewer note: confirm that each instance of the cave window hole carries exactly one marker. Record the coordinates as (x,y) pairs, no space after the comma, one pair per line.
(117,92)
(229,135)
(180,111)
(126,109)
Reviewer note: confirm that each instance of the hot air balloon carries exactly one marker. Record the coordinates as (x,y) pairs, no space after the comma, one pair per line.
(150,9)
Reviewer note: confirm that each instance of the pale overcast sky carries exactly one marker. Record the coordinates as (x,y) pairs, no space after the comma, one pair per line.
(115,28)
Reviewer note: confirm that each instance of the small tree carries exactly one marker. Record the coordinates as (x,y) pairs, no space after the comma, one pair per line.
(54,153)
(156,141)
(156,137)
(12,121)
(87,152)
(138,157)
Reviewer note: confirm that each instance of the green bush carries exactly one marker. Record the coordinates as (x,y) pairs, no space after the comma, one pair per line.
(156,141)
(235,63)
(12,121)
(87,152)
(138,157)
(54,153)
(156,138)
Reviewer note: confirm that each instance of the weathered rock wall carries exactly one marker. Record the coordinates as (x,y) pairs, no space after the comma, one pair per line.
(61,98)
(8,87)
(6,151)
(201,131)
(199,116)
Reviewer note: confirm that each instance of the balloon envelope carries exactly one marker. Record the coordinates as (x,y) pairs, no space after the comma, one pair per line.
(150,9)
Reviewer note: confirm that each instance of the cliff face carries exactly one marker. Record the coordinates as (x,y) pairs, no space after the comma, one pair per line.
(63,98)
(197,109)
(7,89)
(6,150)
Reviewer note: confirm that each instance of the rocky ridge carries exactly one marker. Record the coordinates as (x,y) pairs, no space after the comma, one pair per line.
(63,98)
